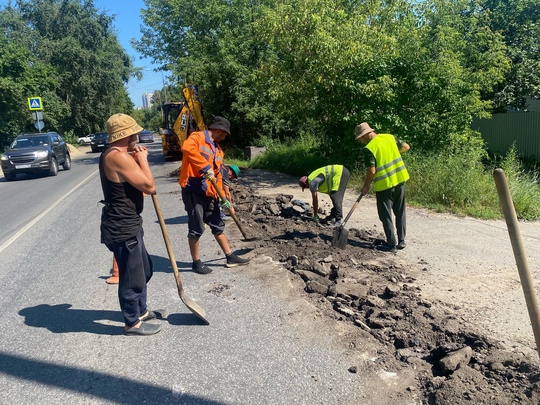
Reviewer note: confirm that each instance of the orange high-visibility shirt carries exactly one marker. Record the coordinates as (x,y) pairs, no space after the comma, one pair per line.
(200,153)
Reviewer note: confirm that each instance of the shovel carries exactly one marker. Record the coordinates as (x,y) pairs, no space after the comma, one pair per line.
(232,212)
(192,305)
(341,235)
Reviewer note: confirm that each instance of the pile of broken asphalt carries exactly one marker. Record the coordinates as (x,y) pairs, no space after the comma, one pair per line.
(374,291)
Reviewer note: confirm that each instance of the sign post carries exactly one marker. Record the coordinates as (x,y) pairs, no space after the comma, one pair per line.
(36,107)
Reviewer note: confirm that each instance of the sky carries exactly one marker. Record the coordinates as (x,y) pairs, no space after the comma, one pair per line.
(127,23)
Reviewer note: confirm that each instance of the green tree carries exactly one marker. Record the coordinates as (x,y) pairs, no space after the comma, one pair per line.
(82,56)
(418,69)
(518,21)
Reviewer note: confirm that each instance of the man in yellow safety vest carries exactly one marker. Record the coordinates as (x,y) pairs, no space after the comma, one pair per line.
(385,168)
(331,180)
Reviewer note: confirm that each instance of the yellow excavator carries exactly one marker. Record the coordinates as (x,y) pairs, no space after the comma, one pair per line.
(180,119)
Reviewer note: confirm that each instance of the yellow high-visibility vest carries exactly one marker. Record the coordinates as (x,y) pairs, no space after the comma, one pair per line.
(390,170)
(332,177)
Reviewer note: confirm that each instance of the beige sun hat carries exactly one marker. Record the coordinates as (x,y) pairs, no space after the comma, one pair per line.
(362,129)
(121,126)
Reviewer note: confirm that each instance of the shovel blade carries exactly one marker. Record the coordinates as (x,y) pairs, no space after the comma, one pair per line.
(193,307)
(340,238)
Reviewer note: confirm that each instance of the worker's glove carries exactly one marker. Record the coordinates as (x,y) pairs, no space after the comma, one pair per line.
(209,175)
(226,204)
(316,218)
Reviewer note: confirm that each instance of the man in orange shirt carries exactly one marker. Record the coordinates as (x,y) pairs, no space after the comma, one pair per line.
(202,162)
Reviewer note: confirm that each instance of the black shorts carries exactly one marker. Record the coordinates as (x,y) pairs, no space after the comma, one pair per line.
(202,210)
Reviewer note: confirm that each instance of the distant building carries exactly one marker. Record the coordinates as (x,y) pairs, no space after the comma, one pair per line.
(147,100)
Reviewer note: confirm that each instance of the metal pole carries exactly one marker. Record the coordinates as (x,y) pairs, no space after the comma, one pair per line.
(164,89)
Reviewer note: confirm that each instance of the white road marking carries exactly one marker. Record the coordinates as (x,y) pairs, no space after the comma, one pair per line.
(35,220)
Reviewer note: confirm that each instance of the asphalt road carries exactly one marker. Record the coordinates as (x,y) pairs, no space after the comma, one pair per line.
(61,339)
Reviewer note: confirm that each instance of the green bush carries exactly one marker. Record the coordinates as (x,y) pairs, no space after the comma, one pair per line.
(453,180)
(70,137)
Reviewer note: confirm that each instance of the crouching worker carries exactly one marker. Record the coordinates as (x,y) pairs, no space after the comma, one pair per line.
(124,179)
(201,163)
(331,180)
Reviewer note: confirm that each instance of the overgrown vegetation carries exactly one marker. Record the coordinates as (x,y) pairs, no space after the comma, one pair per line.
(447,181)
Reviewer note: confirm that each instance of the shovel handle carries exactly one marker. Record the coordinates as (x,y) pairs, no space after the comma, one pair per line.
(167,242)
(231,209)
(527,284)
(352,209)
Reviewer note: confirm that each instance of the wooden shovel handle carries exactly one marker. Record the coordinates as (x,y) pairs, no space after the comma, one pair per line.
(231,209)
(519,252)
(352,209)
(167,243)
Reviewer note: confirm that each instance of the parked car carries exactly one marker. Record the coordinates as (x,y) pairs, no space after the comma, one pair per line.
(85,140)
(35,153)
(100,141)
(146,136)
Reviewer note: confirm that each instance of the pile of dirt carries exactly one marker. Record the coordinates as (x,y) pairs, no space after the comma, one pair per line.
(376,292)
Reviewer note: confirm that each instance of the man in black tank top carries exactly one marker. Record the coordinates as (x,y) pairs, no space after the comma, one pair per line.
(125,176)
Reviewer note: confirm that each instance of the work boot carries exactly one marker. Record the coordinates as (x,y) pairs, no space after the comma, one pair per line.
(200,268)
(401,245)
(234,260)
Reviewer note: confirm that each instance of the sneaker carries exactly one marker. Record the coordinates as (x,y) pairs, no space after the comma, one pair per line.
(401,245)
(234,260)
(387,248)
(200,268)
(337,224)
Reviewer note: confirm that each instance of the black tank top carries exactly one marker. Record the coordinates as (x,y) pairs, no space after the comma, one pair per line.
(120,218)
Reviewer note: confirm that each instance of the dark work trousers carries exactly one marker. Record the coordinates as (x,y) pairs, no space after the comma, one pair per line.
(136,269)
(388,201)
(337,196)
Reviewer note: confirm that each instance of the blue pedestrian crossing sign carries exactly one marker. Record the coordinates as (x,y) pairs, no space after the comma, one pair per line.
(35,104)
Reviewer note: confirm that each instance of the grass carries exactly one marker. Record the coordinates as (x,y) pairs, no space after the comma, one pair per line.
(459,183)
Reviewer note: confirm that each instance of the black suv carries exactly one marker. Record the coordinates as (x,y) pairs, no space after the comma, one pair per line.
(35,153)
(100,141)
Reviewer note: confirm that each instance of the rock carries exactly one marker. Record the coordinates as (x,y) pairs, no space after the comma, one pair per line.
(504,357)
(496,366)
(353,290)
(374,301)
(315,287)
(456,358)
(321,269)
(345,311)
(274,209)
(353,369)
(293,259)
(361,324)
(311,276)
(392,290)
(328,259)
(298,209)
(331,291)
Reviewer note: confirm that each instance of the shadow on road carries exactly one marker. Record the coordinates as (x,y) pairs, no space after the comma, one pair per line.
(94,384)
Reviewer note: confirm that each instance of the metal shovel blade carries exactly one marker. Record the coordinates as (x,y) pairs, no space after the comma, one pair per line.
(340,238)
(188,302)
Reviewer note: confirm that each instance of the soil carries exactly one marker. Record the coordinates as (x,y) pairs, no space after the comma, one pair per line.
(454,327)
